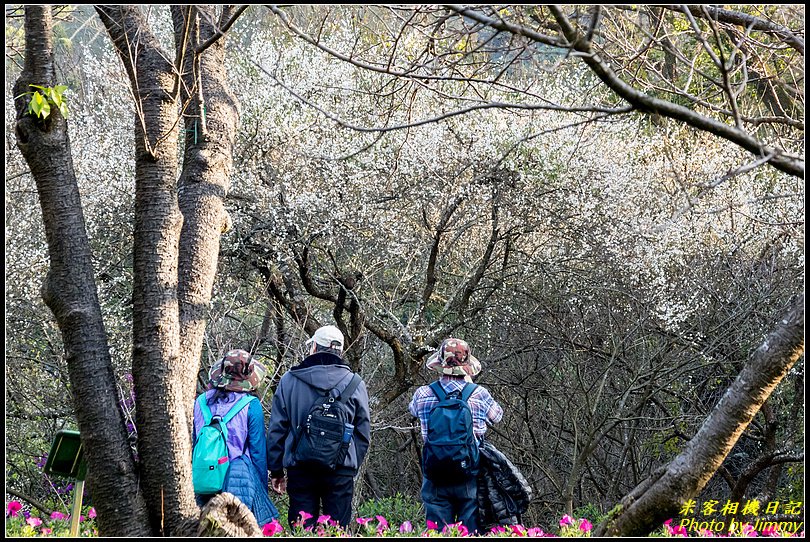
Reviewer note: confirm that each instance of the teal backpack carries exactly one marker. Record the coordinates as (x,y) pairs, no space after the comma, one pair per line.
(209,459)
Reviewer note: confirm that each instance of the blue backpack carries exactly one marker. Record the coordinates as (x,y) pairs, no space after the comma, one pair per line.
(209,458)
(450,454)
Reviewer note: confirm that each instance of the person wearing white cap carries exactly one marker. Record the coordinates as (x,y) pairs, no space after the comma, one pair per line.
(312,488)
(326,338)
(456,501)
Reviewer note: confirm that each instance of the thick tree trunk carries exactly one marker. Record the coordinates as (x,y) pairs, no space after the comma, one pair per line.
(164,443)
(70,292)
(661,496)
(211,119)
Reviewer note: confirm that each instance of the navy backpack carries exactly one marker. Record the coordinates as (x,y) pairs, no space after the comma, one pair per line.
(450,455)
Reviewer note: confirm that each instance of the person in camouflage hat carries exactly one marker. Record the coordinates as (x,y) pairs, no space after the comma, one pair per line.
(453,358)
(236,371)
(457,502)
(232,378)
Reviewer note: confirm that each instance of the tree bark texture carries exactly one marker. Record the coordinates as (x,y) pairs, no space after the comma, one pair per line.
(661,496)
(211,118)
(164,442)
(70,292)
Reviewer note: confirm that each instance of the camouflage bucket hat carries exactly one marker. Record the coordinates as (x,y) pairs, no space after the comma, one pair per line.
(237,371)
(454,358)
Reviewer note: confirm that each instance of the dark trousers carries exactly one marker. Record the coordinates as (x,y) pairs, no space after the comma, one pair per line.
(445,505)
(318,492)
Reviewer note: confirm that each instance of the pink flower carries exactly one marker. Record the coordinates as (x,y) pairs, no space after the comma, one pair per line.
(406,527)
(304,515)
(58,515)
(91,513)
(771,530)
(498,529)
(585,526)
(566,521)
(680,530)
(12,508)
(518,530)
(34,521)
(535,532)
(748,530)
(46,530)
(383,523)
(272,528)
(363,521)
(431,525)
(324,519)
(462,530)
(675,531)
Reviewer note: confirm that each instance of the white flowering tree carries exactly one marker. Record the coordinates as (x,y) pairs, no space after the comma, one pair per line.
(413,173)
(489,59)
(178,219)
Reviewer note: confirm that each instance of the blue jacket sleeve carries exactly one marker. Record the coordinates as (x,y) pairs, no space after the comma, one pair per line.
(277,432)
(256,440)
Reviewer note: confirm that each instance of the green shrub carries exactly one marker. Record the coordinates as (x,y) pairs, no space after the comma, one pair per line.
(590,511)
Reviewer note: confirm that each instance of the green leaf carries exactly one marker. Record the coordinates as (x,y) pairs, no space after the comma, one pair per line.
(63,110)
(54,97)
(39,106)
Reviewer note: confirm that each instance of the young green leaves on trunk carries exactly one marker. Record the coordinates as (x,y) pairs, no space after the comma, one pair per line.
(41,104)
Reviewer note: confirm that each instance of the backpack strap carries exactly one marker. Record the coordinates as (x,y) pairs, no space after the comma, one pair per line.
(234,410)
(349,389)
(337,397)
(467,391)
(438,390)
(206,412)
(237,407)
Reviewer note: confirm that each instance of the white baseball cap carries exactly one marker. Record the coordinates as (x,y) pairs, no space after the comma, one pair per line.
(328,337)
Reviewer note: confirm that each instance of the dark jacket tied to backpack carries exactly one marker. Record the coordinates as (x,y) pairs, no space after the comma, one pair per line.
(503,492)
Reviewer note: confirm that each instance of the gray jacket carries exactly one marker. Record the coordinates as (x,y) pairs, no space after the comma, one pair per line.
(296,392)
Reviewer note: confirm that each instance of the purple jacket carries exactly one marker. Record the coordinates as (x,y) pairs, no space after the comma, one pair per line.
(246,427)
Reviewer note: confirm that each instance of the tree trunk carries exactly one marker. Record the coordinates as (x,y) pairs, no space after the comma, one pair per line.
(211,119)
(164,443)
(661,496)
(70,292)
